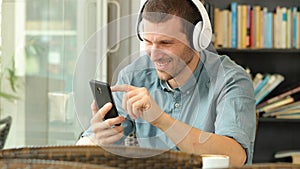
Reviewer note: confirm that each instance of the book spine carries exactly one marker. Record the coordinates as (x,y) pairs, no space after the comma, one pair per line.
(282,102)
(216,27)
(294,27)
(278,97)
(248,26)
(244,27)
(265,14)
(283,32)
(288,28)
(261,84)
(298,30)
(233,7)
(277,27)
(225,30)
(269,43)
(229,28)
(273,82)
(257,26)
(239,26)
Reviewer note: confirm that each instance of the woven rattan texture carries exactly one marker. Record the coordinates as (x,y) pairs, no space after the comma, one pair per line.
(110,156)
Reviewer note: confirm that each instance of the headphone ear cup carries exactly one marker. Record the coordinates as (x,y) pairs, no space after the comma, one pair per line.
(197,36)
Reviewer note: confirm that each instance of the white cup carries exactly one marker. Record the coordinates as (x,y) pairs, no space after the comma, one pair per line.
(215,161)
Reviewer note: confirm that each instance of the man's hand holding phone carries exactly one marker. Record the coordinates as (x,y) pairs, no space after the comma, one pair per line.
(106,131)
(106,121)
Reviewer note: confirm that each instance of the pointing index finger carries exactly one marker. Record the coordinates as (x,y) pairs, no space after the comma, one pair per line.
(121,88)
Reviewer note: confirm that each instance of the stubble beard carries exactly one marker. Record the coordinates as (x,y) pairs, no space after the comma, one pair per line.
(167,76)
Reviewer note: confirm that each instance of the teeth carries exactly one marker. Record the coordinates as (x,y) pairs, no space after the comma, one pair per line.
(163,63)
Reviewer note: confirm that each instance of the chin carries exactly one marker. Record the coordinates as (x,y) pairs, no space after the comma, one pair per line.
(164,76)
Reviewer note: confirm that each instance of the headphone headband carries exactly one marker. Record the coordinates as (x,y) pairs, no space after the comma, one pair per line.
(202,33)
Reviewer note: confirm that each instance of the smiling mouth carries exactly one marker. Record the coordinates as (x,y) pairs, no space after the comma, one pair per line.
(162,65)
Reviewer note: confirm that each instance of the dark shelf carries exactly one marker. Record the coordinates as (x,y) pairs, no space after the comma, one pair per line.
(275,135)
(275,120)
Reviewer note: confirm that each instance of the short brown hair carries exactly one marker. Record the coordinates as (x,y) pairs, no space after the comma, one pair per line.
(161,10)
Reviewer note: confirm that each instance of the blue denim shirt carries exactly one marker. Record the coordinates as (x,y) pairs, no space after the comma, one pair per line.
(218,98)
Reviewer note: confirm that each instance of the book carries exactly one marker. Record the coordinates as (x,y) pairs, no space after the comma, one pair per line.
(286,112)
(262,28)
(288,35)
(224,24)
(280,96)
(269,29)
(257,79)
(252,29)
(229,36)
(217,27)
(294,154)
(295,115)
(265,26)
(283,109)
(239,26)
(283,30)
(298,30)
(277,27)
(273,82)
(279,103)
(243,20)
(289,116)
(233,7)
(257,27)
(262,84)
(294,9)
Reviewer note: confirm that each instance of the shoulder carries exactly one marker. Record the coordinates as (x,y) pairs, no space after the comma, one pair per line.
(224,73)
(221,66)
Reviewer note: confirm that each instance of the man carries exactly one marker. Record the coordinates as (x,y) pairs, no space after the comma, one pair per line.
(177,97)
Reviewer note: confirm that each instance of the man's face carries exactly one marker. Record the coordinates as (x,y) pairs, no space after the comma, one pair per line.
(167,47)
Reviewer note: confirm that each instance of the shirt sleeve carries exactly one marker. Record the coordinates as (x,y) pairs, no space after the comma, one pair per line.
(236,117)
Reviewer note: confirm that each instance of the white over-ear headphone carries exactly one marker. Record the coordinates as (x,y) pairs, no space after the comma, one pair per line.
(202,32)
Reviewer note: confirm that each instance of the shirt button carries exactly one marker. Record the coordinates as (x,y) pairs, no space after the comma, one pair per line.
(177,105)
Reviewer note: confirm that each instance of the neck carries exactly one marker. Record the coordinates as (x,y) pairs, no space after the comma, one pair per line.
(185,74)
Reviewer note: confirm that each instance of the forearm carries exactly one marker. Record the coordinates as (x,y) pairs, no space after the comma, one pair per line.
(192,140)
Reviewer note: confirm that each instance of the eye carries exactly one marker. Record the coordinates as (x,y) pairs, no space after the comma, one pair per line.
(166,42)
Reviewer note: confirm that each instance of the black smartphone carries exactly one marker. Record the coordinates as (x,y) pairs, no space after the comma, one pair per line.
(102,95)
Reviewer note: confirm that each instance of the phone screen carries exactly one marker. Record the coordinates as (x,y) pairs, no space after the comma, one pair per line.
(102,95)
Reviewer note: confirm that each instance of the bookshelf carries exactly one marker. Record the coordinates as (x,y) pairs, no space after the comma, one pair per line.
(283,61)
(273,134)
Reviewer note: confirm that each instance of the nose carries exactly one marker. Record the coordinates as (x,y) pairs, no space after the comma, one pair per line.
(154,51)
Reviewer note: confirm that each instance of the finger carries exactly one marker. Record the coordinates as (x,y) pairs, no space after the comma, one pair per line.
(109,132)
(139,107)
(114,121)
(94,107)
(124,102)
(134,106)
(122,88)
(99,116)
(129,110)
(111,139)
(137,92)
(107,124)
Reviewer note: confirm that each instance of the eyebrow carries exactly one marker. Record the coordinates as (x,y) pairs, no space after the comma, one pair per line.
(161,40)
